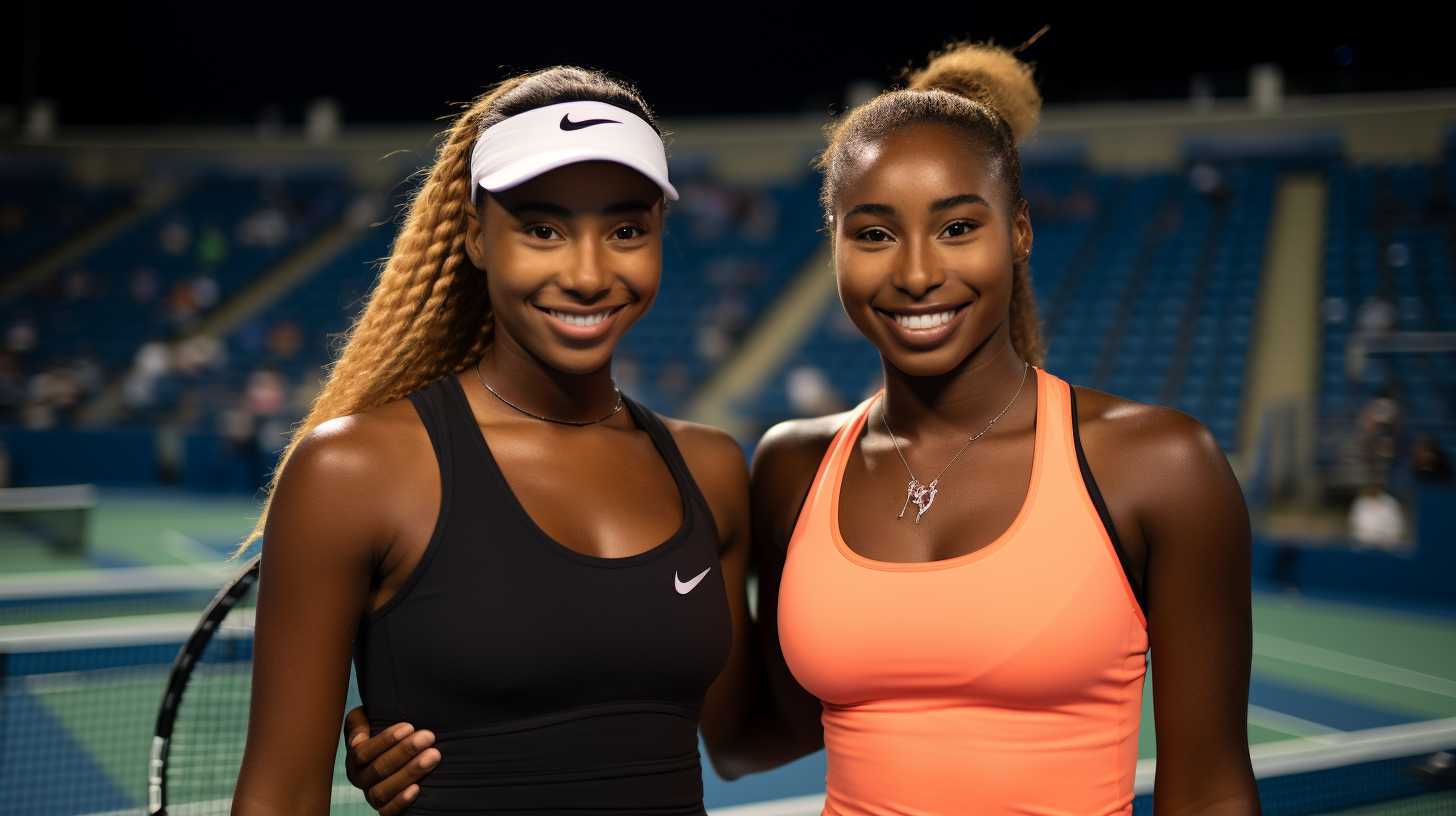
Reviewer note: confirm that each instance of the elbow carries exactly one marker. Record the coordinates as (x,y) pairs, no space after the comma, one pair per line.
(726,755)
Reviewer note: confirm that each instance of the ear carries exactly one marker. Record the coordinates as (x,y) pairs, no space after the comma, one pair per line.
(475,231)
(1021,235)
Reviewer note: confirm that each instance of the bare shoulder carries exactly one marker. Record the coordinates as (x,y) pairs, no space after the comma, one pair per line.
(346,472)
(1150,435)
(1160,463)
(364,445)
(796,446)
(706,445)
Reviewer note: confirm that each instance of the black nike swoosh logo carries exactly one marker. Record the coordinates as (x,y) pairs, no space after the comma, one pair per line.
(567,124)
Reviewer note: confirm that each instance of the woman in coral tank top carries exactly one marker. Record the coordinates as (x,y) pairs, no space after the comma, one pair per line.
(964,612)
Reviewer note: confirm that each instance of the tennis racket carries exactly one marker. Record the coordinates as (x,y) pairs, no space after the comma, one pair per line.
(202,725)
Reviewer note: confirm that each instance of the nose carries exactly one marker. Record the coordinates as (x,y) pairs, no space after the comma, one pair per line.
(917,272)
(587,276)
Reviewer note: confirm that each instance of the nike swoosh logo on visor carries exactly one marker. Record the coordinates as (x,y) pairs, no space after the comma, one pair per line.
(684,588)
(567,124)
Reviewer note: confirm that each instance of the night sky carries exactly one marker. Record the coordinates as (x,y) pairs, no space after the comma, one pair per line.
(225,63)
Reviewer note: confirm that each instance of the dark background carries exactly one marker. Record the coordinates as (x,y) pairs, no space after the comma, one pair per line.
(224,62)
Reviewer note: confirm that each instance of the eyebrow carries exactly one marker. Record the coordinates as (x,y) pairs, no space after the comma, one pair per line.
(935,206)
(955,200)
(559,211)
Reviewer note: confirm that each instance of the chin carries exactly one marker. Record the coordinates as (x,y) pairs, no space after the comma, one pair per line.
(578,361)
(931,363)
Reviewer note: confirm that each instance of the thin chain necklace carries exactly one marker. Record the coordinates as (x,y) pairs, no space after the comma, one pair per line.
(924,495)
(577,422)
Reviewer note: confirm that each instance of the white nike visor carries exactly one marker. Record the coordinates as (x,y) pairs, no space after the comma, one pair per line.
(528,144)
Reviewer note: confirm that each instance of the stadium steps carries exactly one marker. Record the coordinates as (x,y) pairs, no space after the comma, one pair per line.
(86,241)
(777,335)
(268,288)
(1285,357)
(1153,237)
(1202,278)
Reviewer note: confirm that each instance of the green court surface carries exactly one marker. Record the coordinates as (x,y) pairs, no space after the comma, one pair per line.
(77,740)
(144,528)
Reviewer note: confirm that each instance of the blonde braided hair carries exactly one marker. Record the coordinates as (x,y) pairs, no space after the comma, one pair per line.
(428,314)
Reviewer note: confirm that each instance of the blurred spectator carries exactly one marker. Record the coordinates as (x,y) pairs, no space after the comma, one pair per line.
(182,302)
(285,339)
(175,238)
(20,337)
(1376,316)
(1397,255)
(709,209)
(1079,204)
(239,427)
(810,393)
(304,395)
(199,353)
(211,248)
(760,222)
(1376,519)
(204,292)
(144,285)
(152,362)
(266,228)
(1430,464)
(713,343)
(1379,430)
(266,393)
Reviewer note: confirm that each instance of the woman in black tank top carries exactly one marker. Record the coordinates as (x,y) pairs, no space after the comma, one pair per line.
(528,568)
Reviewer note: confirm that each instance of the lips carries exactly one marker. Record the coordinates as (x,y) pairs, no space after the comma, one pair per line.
(580,324)
(923,326)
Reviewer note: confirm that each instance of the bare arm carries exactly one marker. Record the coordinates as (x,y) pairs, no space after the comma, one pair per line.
(1197,529)
(742,721)
(323,533)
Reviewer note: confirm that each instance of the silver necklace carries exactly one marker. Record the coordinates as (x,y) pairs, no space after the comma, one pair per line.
(577,422)
(923,495)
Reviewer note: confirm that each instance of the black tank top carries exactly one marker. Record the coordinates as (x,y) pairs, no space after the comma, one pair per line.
(555,682)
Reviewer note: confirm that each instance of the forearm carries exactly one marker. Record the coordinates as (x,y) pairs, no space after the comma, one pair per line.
(764,740)
(1240,800)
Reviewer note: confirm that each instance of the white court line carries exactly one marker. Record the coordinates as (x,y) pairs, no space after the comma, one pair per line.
(1332,750)
(126,580)
(191,552)
(131,630)
(1290,651)
(1290,724)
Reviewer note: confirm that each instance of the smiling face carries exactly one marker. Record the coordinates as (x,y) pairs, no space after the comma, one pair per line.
(924,243)
(572,258)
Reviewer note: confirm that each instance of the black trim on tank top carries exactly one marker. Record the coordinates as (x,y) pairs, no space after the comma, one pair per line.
(1097,501)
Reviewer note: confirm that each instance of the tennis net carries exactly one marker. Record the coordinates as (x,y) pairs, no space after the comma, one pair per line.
(1401,770)
(57,518)
(78,706)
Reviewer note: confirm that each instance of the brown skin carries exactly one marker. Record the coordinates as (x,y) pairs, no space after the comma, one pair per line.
(1173,499)
(357,502)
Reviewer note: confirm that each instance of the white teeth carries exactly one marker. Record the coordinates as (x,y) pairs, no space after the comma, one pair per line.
(922,322)
(584,321)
